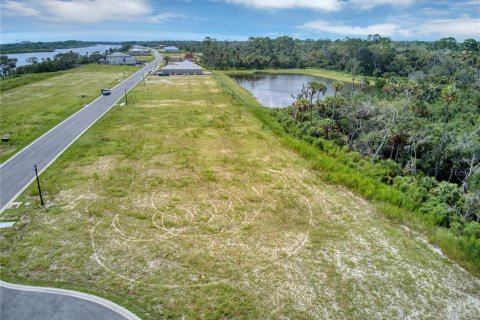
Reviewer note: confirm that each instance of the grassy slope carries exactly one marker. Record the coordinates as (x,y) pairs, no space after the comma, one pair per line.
(45,100)
(21,80)
(333,168)
(149,58)
(184,205)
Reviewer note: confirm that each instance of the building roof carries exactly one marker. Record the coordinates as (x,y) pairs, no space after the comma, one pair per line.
(184,65)
(170,48)
(138,49)
(118,54)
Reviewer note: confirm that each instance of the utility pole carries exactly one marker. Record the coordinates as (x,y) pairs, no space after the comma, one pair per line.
(38,184)
(144,79)
(126,101)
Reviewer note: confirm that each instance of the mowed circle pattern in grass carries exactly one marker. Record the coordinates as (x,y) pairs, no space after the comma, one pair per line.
(181,205)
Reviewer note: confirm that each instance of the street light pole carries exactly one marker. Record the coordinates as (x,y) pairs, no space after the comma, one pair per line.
(126,101)
(38,184)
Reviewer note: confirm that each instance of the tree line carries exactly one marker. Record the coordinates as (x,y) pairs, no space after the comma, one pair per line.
(376,56)
(61,61)
(27,46)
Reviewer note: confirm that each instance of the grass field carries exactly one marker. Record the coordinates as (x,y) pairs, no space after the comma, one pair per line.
(35,103)
(21,80)
(147,59)
(182,205)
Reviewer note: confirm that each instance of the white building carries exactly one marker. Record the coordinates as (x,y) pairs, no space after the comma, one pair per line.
(121,58)
(171,49)
(185,67)
(139,52)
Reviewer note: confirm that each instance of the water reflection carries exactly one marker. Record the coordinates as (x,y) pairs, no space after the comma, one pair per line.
(23,57)
(276,90)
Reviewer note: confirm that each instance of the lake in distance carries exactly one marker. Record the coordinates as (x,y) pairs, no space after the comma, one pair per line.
(22,57)
(276,90)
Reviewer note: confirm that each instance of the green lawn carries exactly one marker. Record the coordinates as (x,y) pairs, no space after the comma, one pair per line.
(147,59)
(33,104)
(183,205)
(21,80)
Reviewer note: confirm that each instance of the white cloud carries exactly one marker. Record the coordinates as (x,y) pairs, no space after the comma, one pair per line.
(461,28)
(159,18)
(384,29)
(369,4)
(16,8)
(92,11)
(85,11)
(323,5)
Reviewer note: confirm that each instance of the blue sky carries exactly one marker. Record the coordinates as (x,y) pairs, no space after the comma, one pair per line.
(119,20)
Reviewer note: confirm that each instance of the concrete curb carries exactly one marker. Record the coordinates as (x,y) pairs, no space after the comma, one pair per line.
(75,294)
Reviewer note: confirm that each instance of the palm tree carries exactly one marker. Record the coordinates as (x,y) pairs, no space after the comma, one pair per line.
(321,88)
(337,87)
(448,96)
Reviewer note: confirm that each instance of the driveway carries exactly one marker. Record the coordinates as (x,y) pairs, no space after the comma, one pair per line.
(19,302)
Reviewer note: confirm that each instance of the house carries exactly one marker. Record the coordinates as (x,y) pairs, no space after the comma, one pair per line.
(121,58)
(174,59)
(190,57)
(139,52)
(171,49)
(182,68)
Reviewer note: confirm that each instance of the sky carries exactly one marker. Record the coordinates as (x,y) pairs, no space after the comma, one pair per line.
(122,20)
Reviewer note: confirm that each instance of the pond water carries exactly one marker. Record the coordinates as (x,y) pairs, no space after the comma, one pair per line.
(22,57)
(276,90)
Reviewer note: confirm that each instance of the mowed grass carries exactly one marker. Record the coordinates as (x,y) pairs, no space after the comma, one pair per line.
(147,59)
(182,205)
(44,100)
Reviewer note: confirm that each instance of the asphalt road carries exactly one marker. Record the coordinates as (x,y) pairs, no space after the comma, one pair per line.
(19,302)
(17,172)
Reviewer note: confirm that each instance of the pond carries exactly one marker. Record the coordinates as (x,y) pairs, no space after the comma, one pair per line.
(276,90)
(22,57)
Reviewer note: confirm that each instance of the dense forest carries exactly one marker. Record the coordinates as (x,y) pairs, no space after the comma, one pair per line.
(61,61)
(27,46)
(375,56)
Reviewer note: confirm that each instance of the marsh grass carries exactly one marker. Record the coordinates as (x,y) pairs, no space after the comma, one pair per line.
(35,103)
(184,205)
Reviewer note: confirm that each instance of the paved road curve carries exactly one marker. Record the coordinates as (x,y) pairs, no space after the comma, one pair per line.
(17,172)
(19,302)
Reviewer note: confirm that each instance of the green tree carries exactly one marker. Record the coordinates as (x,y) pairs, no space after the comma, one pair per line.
(448,96)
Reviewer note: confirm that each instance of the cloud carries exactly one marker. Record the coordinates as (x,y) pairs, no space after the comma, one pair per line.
(85,11)
(384,29)
(369,4)
(323,5)
(159,18)
(16,8)
(461,27)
